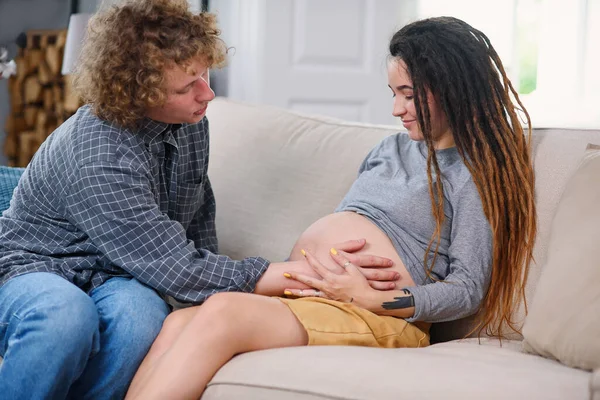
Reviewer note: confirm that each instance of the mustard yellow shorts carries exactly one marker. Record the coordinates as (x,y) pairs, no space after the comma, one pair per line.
(330,322)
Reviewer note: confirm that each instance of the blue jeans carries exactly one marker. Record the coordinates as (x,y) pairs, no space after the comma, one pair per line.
(59,342)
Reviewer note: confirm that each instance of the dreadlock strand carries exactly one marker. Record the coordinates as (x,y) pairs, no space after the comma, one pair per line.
(459,66)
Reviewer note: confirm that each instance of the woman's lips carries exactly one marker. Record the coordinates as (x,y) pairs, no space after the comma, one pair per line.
(408,123)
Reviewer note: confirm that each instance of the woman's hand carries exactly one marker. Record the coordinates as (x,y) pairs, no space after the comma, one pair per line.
(347,285)
(372,267)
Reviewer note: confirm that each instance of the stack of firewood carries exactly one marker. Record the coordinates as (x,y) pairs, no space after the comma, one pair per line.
(40,97)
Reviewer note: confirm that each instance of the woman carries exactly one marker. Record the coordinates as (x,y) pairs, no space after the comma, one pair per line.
(452,203)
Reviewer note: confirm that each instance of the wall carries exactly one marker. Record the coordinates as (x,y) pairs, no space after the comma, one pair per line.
(17,16)
(219,78)
(87,6)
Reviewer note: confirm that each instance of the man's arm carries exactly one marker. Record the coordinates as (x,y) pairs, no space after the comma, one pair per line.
(113,203)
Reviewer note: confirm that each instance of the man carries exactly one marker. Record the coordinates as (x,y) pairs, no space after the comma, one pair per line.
(116,211)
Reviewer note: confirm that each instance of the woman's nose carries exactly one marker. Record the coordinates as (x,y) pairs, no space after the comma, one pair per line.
(399,108)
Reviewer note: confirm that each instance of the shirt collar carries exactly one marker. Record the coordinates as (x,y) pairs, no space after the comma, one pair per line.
(152,131)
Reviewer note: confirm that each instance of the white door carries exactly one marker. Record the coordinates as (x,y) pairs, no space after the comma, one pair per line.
(319,56)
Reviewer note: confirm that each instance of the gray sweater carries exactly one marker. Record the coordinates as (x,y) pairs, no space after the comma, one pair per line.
(392,191)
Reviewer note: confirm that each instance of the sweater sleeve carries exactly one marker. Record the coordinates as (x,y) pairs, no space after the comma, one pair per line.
(470,263)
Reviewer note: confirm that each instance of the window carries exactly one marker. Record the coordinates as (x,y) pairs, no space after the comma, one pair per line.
(551,52)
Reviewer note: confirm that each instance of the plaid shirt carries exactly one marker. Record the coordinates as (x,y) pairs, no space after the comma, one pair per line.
(98,201)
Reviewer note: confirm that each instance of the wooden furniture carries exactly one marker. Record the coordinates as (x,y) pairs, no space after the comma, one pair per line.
(40,97)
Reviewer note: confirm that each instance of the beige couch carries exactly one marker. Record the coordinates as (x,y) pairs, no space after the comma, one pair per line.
(274,172)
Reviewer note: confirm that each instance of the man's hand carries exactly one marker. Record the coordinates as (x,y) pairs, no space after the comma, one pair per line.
(350,286)
(273,283)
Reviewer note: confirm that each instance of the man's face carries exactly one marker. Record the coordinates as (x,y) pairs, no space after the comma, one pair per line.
(188,94)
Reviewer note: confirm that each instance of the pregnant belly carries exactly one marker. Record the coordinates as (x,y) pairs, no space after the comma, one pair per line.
(339,227)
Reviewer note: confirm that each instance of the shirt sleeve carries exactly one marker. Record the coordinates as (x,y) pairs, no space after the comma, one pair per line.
(470,262)
(113,203)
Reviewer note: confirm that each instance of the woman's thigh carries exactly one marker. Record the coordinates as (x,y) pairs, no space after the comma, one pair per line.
(256,322)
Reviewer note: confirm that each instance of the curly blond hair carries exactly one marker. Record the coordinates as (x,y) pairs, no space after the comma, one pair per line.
(121,70)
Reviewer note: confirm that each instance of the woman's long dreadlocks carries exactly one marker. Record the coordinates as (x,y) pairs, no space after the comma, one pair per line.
(458,65)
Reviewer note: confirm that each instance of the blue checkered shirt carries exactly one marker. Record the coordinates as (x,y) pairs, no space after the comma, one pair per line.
(98,201)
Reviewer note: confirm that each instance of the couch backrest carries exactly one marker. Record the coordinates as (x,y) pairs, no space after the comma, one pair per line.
(274,172)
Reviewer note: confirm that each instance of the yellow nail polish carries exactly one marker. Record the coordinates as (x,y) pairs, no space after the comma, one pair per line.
(333,251)
(303,252)
(287,275)
(287,293)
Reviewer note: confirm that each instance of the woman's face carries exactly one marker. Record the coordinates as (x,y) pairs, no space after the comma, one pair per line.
(404,107)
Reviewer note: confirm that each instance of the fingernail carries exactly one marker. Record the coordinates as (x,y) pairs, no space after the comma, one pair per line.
(303,252)
(390,263)
(287,275)
(287,293)
(333,251)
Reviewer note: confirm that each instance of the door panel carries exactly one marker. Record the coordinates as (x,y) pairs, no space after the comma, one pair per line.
(319,56)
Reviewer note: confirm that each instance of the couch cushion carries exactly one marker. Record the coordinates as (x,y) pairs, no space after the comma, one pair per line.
(454,370)
(564,320)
